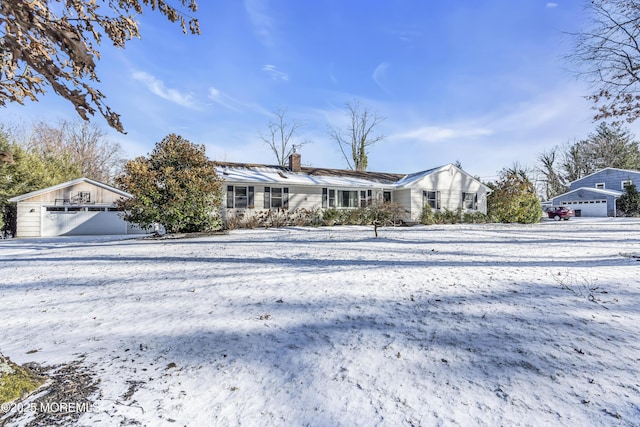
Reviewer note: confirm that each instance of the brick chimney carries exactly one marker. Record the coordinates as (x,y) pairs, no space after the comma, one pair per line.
(294,162)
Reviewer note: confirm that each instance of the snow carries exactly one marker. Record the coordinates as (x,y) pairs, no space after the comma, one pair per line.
(275,175)
(440,325)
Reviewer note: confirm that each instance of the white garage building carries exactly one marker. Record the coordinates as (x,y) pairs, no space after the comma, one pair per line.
(79,207)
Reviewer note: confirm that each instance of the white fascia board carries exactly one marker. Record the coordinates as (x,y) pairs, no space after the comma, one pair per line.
(68,184)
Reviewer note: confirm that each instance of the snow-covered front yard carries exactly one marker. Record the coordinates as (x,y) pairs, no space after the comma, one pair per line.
(440,325)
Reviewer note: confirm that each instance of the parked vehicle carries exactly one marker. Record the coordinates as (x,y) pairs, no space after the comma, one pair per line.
(560,212)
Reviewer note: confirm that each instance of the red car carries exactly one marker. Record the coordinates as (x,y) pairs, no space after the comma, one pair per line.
(560,212)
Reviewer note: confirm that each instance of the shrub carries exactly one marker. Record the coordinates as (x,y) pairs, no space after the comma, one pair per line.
(427,216)
(514,199)
(331,216)
(629,202)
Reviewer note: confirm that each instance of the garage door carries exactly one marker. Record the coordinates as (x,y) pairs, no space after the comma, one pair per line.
(81,221)
(590,207)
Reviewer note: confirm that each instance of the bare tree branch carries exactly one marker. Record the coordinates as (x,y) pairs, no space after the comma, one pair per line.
(608,56)
(281,137)
(51,43)
(358,136)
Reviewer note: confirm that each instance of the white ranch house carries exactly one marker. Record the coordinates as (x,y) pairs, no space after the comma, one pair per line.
(255,188)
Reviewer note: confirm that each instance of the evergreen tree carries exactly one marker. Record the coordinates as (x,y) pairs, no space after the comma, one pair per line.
(610,146)
(629,202)
(28,172)
(175,186)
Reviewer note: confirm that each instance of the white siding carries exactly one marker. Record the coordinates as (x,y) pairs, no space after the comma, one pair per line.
(451,183)
(305,197)
(404,199)
(28,221)
(33,219)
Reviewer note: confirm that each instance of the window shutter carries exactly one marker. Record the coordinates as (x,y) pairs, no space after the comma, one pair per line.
(267,197)
(285,198)
(438,204)
(324,198)
(229,196)
(250,198)
(475,201)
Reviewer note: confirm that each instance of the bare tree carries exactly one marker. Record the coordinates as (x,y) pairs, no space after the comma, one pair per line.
(353,141)
(280,137)
(98,157)
(79,143)
(46,43)
(608,56)
(553,183)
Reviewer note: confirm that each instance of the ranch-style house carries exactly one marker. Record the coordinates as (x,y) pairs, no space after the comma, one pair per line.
(255,188)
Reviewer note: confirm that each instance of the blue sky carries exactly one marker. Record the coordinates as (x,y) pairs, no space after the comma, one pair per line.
(482,82)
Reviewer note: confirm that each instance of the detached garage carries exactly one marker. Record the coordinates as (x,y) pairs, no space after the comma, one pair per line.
(79,207)
(591,202)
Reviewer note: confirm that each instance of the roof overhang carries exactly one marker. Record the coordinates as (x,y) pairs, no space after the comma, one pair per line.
(69,184)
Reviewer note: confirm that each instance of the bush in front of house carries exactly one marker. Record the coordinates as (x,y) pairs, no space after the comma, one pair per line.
(377,214)
(514,198)
(175,186)
(330,216)
(447,216)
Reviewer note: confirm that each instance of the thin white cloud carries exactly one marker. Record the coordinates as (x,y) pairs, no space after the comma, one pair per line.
(379,74)
(275,73)
(157,87)
(261,20)
(551,5)
(433,134)
(406,36)
(224,100)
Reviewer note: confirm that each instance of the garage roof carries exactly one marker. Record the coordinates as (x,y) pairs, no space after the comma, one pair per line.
(69,184)
(602,192)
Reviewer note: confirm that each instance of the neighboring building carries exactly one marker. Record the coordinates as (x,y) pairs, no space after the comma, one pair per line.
(78,207)
(251,187)
(595,195)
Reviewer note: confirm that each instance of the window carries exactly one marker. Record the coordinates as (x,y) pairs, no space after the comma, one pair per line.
(432,198)
(600,185)
(346,198)
(239,197)
(469,200)
(365,198)
(81,197)
(624,184)
(275,198)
